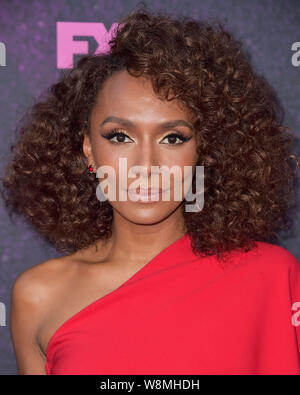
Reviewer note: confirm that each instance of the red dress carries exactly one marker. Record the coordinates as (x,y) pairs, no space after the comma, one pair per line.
(181,314)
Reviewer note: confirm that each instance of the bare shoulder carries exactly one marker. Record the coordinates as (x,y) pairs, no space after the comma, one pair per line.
(36,308)
(36,287)
(33,284)
(29,300)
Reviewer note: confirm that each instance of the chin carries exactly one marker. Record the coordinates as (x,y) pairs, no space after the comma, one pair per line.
(146,213)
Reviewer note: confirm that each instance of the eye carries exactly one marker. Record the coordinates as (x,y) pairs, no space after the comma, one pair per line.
(173,136)
(120,137)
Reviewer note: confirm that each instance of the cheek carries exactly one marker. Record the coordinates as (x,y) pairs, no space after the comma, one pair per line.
(185,158)
(186,161)
(104,156)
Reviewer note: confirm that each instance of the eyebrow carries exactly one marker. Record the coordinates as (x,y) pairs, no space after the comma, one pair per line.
(164,125)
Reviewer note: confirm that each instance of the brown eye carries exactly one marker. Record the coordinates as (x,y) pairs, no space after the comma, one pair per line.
(174,136)
(172,139)
(119,136)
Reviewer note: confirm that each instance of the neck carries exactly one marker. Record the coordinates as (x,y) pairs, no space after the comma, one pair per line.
(135,243)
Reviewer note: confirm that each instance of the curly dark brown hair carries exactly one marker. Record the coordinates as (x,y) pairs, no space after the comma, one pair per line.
(245,150)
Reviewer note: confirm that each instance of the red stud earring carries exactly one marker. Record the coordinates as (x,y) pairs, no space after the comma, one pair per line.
(91,169)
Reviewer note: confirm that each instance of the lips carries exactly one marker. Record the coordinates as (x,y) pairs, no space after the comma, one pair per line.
(146,191)
(145,195)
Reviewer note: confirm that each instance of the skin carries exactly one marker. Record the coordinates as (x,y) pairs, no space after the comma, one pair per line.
(140,231)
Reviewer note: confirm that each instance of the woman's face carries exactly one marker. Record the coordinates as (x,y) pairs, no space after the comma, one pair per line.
(142,139)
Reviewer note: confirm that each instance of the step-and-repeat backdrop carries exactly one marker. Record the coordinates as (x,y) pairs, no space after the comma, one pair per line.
(39,39)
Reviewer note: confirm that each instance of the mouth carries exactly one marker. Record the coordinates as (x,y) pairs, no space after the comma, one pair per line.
(146,194)
(145,191)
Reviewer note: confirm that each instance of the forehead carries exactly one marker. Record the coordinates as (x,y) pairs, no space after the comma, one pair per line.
(134,96)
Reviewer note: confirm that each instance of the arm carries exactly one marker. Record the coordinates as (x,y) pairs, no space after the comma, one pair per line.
(25,316)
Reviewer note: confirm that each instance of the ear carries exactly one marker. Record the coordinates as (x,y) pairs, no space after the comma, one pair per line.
(87,149)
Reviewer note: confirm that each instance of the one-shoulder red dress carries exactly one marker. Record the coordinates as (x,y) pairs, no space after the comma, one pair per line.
(181,314)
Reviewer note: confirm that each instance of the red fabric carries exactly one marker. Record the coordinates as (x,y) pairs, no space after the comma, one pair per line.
(181,314)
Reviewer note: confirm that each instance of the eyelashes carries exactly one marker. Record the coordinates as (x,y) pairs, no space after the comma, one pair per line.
(114,133)
(120,135)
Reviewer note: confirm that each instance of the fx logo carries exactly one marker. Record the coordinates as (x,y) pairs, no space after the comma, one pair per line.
(67,46)
(2,54)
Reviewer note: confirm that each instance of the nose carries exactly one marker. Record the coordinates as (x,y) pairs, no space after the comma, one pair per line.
(146,155)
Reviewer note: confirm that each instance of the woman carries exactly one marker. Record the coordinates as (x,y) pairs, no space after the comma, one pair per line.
(150,287)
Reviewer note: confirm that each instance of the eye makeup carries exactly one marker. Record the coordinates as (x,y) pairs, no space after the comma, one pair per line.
(116,133)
